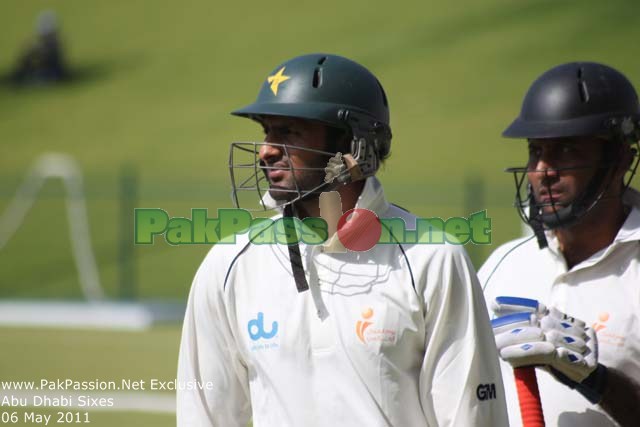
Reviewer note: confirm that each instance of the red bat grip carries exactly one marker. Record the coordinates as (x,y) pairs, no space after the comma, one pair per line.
(529,397)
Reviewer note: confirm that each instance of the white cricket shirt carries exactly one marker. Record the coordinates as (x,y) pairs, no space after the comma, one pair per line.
(395,336)
(603,290)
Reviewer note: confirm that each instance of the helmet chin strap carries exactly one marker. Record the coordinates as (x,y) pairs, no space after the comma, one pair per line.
(536,223)
(571,214)
(295,258)
(348,173)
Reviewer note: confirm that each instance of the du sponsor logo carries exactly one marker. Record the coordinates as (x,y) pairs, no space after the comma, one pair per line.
(367,332)
(257,331)
(263,338)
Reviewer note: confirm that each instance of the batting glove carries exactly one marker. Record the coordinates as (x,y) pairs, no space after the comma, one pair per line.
(529,334)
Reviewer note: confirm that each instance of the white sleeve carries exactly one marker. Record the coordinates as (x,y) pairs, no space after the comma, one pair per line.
(460,379)
(213,386)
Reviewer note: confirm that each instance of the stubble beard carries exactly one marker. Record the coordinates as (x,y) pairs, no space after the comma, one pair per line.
(306,181)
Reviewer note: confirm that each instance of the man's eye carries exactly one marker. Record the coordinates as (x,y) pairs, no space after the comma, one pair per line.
(281,132)
(567,149)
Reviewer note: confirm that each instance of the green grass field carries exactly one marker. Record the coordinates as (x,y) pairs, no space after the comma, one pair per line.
(35,354)
(97,418)
(158,79)
(32,354)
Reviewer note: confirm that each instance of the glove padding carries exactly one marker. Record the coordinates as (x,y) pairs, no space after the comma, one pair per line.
(335,168)
(527,333)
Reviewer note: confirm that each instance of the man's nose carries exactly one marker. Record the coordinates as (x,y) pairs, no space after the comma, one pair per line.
(269,152)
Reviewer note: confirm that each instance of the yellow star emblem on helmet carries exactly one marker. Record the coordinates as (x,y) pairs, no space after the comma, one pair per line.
(276,79)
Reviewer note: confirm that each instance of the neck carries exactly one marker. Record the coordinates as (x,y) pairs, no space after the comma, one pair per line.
(348,194)
(592,233)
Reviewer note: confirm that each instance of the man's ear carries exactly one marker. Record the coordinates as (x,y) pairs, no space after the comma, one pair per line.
(625,155)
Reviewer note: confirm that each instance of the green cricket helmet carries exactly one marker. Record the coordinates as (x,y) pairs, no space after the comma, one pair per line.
(332,90)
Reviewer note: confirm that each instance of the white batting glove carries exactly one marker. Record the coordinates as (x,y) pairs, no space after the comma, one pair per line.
(529,334)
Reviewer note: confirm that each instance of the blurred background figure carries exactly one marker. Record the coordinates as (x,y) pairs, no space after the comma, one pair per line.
(43,59)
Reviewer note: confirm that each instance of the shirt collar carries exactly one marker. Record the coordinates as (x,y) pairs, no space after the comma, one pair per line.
(630,230)
(372,197)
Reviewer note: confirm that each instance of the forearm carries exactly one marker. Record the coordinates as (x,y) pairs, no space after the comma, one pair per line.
(621,398)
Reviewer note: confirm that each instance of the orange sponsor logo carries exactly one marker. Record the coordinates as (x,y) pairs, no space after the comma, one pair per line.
(363,324)
(609,337)
(600,324)
(368,334)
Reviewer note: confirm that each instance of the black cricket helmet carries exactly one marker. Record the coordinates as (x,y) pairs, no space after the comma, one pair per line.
(577,99)
(326,88)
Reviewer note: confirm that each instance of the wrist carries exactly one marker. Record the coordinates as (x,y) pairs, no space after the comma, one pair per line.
(592,387)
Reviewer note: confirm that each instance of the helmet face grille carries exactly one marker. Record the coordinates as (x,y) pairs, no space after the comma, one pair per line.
(250,186)
(531,211)
(553,215)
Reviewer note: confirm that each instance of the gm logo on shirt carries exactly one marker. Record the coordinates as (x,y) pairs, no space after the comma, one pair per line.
(256,328)
(486,391)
